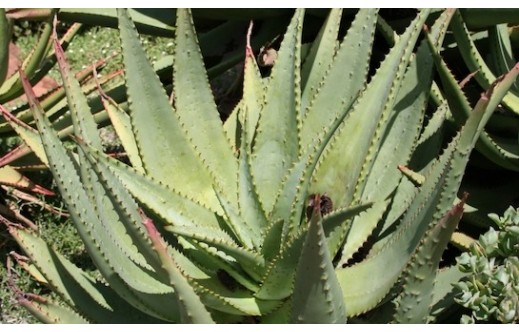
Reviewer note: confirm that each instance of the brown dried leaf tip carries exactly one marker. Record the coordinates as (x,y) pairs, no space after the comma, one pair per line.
(325,204)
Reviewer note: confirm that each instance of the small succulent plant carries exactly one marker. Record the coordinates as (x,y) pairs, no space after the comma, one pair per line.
(297,209)
(491,288)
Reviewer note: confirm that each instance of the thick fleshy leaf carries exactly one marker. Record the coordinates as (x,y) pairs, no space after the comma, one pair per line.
(320,55)
(196,109)
(174,207)
(50,312)
(251,210)
(276,145)
(85,126)
(324,99)
(317,295)
(160,138)
(11,177)
(428,207)
(12,86)
(342,168)
(497,149)
(278,280)
(414,302)
(129,280)
(94,300)
(122,125)
(475,62)
(400,137)
(190,307)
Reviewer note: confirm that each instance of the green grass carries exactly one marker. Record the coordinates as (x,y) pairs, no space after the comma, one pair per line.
(94,43)
(91,44)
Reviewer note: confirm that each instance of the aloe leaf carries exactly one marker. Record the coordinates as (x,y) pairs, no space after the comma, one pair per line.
(12,87)
(444,292)
(413,303)
(94,300)
(238,226)
(294,187)
(475,62)
(5,37)
(400,137)
(400,143)
(430,139)
(278,279)
(320,55)
(427,208)
(190,306)
(251,102)
(197,254)
(362,295)
(13,178)
(249,204)
(338,176)
(235,301)
(317,293)
(115,200)
(152,21)
(109,203)
(54,102)
(121,122)
(480,18)
(501,55)
(279,316)
(29,135)
(84,124)
(324,99)
(196,108)
(160,138)
(276,144)
(337,224)
(130,281)
(173,207)
(253,90)
(218,295)
(49,312)
(505,155)
(361,228)
(249,260)
(272,239)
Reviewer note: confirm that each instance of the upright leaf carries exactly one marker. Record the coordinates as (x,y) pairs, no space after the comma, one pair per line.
(353,147)
(324,98)
(196,109)
(317,294)
(276,145)
(162,143)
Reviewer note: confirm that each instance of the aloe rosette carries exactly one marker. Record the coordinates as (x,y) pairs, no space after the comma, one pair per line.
(293,210)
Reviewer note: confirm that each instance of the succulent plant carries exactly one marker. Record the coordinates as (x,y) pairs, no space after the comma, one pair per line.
(491,287)
(324,197)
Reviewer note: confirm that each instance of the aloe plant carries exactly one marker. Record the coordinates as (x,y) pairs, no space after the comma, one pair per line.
(324,197)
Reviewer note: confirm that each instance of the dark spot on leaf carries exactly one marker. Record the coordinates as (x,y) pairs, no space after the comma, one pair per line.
(325,204)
